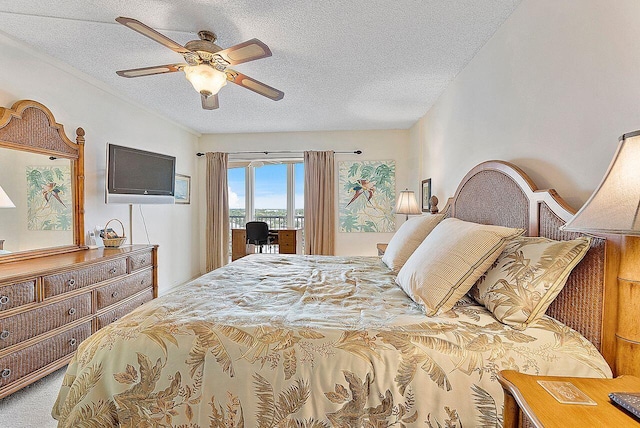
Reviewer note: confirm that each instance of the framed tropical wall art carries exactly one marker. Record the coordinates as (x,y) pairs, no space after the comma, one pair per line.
(367,193)
(49,198)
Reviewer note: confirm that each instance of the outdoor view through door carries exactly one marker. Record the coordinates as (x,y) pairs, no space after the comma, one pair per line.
(273,193)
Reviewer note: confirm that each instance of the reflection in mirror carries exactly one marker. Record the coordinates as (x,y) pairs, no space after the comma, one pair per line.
(41,191)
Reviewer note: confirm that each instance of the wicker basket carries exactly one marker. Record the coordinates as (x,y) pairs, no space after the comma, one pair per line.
(117,241)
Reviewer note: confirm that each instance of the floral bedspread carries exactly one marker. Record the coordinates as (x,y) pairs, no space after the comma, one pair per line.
(306,341)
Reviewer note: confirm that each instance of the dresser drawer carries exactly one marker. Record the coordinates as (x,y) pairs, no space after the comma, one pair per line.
(121,310)
(31,323)
(21,363)
(61,283)
(139,261)
(14,295)
(115,292)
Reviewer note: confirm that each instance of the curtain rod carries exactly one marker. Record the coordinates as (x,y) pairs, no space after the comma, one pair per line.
(277,152)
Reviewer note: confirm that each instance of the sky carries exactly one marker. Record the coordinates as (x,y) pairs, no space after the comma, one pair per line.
(270,187)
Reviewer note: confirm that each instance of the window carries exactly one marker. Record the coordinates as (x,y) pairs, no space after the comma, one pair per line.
(299,196)
(270,195)
(270,192)
(237,210)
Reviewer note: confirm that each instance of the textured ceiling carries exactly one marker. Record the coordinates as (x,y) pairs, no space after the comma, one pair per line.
(343,65)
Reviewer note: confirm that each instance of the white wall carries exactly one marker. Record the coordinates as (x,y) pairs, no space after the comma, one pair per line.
(77,101)
(551,92)
(376,145)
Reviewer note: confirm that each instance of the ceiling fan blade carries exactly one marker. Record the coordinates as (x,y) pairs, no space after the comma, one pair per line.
(254,85)
(247,51)
(210,102)
(145,30)
(148,71)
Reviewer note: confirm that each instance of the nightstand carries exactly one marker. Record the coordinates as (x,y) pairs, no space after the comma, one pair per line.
(381,249)
(523,393)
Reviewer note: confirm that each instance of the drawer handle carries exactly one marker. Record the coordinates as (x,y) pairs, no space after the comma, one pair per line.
(4,335)
(114,294)
(71,282)
(5,373)
(142,281)
(4,300)
(112,270)
(73,341)
(143,261)
(115,319)
(72,311)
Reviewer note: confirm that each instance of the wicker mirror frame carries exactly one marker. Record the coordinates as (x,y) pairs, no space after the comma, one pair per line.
(30,127)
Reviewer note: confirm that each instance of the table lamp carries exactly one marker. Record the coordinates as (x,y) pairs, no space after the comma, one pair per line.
(614,208)
(407,204)
(5,202)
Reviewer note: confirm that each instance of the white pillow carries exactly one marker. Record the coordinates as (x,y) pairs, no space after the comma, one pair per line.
(450,260)
(408,237)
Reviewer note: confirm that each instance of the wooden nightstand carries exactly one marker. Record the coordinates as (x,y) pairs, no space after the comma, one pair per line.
(523,392)
(381,249)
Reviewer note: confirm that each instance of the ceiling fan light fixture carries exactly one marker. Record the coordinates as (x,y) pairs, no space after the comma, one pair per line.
(206,63)
(205,79)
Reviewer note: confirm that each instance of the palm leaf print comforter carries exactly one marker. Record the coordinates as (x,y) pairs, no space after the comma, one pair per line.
(306,341)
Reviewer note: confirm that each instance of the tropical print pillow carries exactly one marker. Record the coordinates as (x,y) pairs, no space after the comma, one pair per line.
(527,277)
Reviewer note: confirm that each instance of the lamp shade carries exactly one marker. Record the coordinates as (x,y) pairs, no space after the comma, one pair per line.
(613,207)
(5,201)
(205,79)
(407,203)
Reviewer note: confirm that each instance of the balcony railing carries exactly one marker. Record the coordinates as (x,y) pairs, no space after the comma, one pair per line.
(236,222)
(274,222)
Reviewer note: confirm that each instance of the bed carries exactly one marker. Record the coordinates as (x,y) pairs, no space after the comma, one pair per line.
(319,341)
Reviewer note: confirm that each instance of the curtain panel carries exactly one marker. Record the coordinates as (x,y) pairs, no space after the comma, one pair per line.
(319,202)
(217,231)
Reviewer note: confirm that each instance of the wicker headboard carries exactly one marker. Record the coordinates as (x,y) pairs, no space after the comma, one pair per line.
(500,193)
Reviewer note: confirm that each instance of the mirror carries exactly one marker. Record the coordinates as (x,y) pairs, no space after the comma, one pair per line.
(40,191)
(41,184)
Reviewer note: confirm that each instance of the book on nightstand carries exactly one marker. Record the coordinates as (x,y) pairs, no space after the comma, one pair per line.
(566,392)
(628,401)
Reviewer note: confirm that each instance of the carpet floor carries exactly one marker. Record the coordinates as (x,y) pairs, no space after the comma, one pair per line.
(31,406)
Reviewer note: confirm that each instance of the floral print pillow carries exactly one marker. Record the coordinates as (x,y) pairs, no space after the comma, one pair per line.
(527,277)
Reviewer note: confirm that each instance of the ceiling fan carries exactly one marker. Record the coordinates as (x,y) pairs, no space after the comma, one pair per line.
(207,63)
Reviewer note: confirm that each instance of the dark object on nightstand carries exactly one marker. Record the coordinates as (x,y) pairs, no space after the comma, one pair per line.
(628,401)
(434,205)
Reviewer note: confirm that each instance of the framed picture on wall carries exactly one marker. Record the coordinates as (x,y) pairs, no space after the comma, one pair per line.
(367,196)
(426,195)
(183,189)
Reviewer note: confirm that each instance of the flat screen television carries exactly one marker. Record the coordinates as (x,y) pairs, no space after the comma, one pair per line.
(139,177)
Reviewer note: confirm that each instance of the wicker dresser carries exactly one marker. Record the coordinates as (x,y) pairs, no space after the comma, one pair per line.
(48,305)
